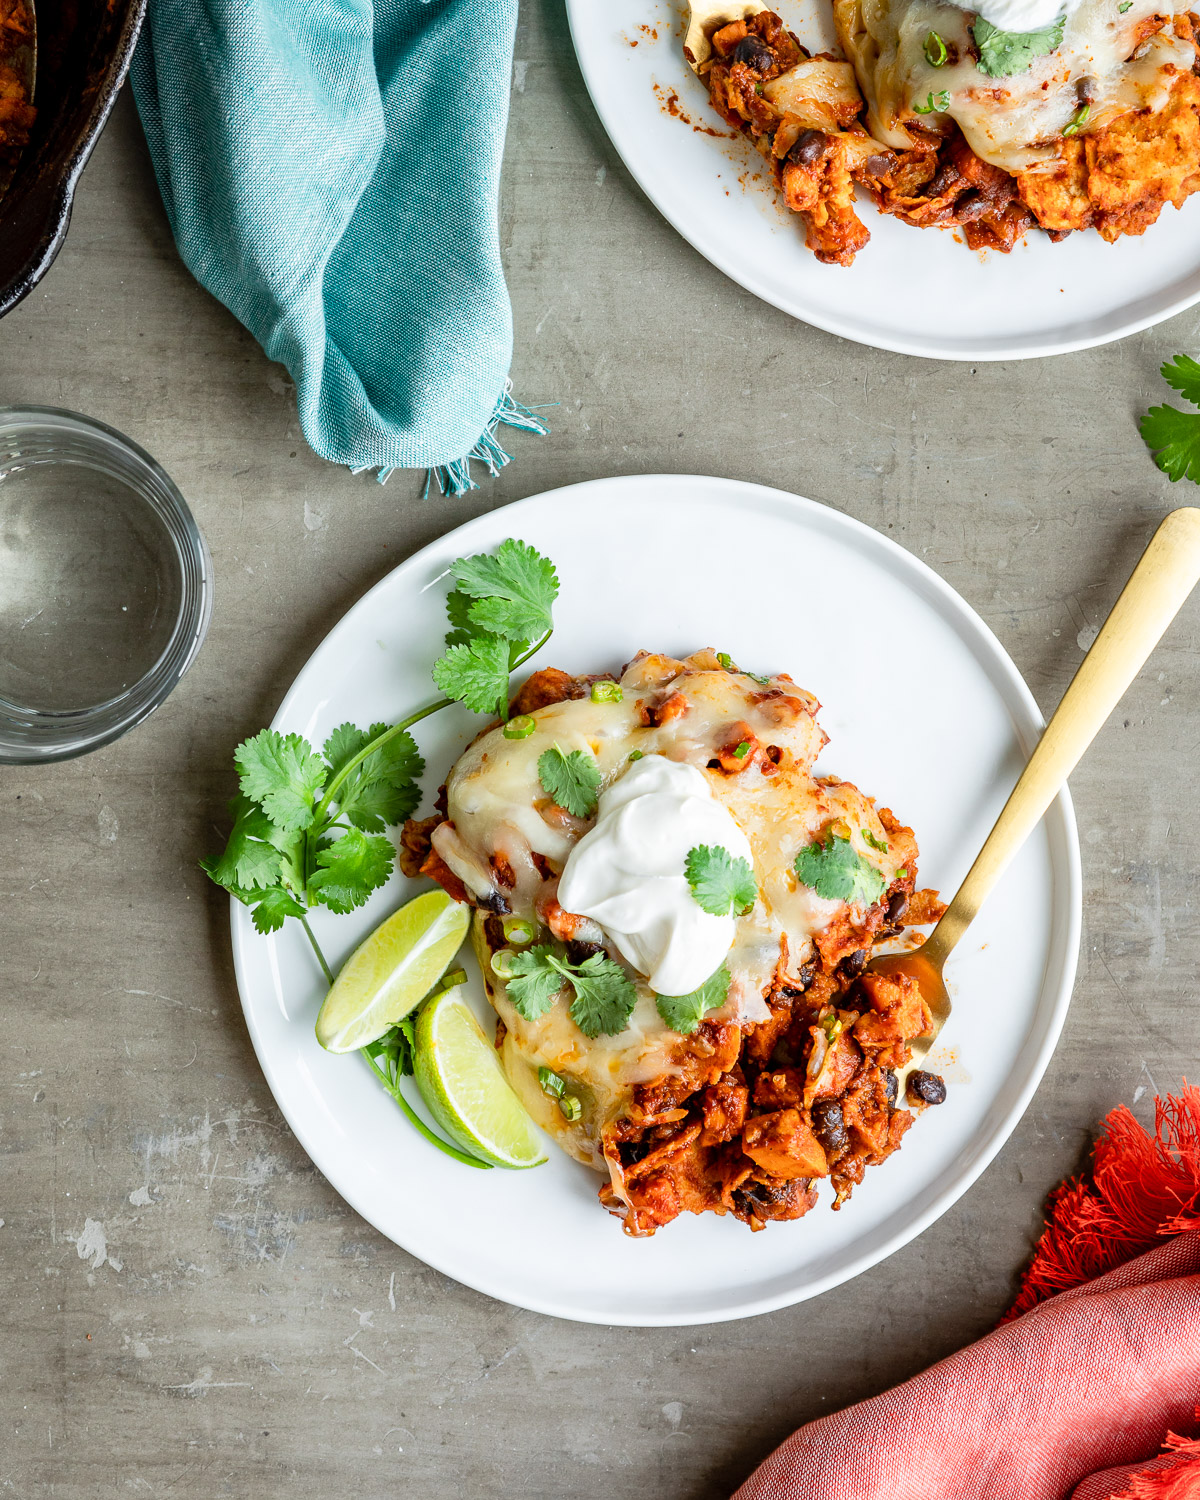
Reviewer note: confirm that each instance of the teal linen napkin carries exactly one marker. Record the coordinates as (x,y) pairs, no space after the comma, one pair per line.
(330,170)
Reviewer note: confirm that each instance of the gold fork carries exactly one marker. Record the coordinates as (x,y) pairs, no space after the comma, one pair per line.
(708,16)
(1163,579)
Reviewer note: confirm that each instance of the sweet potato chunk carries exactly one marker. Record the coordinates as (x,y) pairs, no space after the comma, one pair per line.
(782,1144)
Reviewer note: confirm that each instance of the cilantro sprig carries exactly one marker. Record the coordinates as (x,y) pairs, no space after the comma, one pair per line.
(1002,53)
(309,825)
(1173,436)
(683,1013)
(721,883)
(500,614)
(837,872)
(573,781)
(604,995)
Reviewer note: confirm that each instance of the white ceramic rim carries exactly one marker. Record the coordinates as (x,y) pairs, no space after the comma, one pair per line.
(709,246)
(1065,948)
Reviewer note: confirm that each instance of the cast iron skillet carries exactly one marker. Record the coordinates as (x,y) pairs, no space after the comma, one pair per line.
(84,48)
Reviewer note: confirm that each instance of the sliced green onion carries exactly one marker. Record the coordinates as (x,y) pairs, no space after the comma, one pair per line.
(607,692)
(902,874)
(502,964)
(935,51)
(742,750)
(570,1106)
(451,978)
(520,728)
(833,1026)
(935,104)
(726,660)
(635,755)
(518,931)
(1078,121)
(1125,5)
(552,1084)
(873,841)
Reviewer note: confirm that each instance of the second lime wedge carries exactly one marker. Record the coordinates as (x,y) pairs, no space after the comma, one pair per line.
(391,972)
(463,1084)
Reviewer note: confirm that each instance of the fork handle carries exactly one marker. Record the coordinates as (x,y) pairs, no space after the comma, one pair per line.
(1168,571)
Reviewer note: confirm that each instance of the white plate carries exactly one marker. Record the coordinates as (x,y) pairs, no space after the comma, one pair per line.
(915,291)
(675,564)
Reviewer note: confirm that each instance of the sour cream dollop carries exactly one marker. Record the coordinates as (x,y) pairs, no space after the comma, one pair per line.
(627,873)
(1023,15)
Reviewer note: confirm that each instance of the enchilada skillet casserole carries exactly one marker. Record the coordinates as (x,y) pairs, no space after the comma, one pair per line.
(778,1066)
(1083,117)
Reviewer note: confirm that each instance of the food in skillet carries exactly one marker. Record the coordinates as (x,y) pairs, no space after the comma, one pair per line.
(672,915)
(16,111)
(1027,114)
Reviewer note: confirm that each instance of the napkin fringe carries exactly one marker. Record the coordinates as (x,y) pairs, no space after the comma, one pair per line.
(1173,1481)
(1141,1189)
(455,478)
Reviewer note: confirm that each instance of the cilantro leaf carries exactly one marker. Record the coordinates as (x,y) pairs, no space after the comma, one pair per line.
(1002,53)
(381,790)
(1173,436)
(722,885)
(461,630)
(837,872)
(604,996)
(683,1013)
(513,590)
(283,774)
(534,981)
(249,860)
(1182,374)
(345,742)
(273,907)
(573,781)
(350,868)
(476,673)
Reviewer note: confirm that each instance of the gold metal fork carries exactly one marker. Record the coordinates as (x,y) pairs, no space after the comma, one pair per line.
(1163,579)
(708,16)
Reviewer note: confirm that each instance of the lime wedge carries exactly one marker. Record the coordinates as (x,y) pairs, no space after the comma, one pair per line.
(391,972)
(462,1082)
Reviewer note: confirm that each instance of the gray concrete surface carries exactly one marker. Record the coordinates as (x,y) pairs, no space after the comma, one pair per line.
(188,1308)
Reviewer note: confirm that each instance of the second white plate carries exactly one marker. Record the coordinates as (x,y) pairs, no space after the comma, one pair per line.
(917,291)
(673,564)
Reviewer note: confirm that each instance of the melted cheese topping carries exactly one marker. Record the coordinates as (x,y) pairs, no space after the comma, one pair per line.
(1014,122)
(502,823)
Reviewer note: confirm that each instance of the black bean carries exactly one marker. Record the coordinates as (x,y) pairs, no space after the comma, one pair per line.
(1087,90)
(926,1088)
(809,148)
(765,1194)
(943,181)
(892,1084)
(880,164)
(494,902)
(856,962)
(578,952)
(830,1127)
(755,54)
(806,974)
(897,906)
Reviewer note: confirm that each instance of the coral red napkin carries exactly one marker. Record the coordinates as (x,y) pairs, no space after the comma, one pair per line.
(1095,1369)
